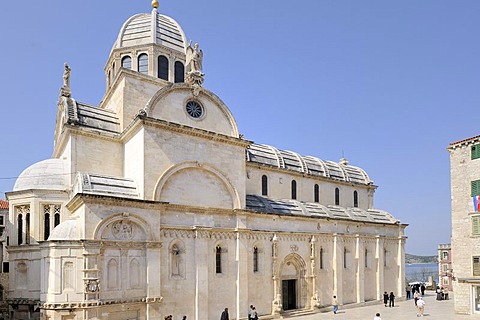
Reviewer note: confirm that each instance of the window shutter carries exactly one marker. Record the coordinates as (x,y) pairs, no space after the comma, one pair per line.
(476,225)
(475,188)
(476,151)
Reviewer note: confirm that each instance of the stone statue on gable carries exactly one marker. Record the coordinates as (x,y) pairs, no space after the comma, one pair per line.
(194,74)
(65,89)
(194,58)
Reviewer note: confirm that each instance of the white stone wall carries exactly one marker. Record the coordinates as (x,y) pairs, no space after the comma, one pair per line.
(165,150)
(463,170)
(279,187)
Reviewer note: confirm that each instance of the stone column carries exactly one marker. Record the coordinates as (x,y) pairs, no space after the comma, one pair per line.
(379,256)
(337,268)
(360,272)
(202,253)
(242,264)
(401,267)
(153,279)
(277,297)
(314,300)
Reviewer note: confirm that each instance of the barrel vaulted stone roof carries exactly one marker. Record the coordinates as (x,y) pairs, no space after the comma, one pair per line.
(105,185)
(78,113)
(271,156)
(316,210)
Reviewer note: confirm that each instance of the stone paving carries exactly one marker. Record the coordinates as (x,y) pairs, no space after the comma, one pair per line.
(441,310)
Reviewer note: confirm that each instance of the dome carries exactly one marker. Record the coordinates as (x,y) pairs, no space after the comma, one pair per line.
(151,28)
(50,174)
(67,230)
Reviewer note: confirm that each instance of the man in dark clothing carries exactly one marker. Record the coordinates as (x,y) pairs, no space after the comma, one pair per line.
(385,298)
(391,299)
(225,315)
(423,289)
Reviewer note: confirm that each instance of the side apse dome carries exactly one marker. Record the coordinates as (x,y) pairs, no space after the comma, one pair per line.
(50,174)
(142,29)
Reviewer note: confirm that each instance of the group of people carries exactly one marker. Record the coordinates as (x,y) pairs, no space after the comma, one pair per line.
(442,293)
(389,299)
(414,288)
(252,314)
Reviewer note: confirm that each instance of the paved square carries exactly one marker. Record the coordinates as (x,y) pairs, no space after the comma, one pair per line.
(441,310)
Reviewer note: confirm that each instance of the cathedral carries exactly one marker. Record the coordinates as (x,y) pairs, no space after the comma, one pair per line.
(153,204)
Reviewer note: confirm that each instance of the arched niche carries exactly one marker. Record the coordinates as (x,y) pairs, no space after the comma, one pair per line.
(194,183)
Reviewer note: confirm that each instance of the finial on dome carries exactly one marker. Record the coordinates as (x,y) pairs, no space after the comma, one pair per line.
(155,4)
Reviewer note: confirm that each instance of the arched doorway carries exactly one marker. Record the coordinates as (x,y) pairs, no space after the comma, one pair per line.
(293,283)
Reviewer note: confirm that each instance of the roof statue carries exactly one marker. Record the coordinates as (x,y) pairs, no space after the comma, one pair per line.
(194,64)
(65,90)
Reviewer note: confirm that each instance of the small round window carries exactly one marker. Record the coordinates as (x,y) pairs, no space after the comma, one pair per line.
(194,109)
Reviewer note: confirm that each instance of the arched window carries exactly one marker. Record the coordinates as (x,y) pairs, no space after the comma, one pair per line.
(294,189)
(337,196)
(112,274)
(20,229)
(46,222)
(113,71)
(255,259)
(345,258)
(134,271)
(218,259)
(127,62)
(321,258)
(56,218)
(179,72)
(264,185)
(385,254)
(143,63)
(366,258)
(27,228)
(163,67)
(316,193)
(355,198)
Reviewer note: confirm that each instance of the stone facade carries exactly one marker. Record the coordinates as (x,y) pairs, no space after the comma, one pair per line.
(154,204)
(445,271)
(464,172)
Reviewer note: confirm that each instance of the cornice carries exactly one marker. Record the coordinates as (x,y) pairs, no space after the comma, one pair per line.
(182,129)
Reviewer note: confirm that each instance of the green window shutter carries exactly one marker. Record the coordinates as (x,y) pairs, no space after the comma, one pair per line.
(476,151)
(476,225)
(475,188)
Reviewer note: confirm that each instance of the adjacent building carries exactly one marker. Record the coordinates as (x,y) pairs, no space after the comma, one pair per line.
(465,246)
(153,204)
(445,271)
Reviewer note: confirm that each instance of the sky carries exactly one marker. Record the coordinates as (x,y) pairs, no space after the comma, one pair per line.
(386,84)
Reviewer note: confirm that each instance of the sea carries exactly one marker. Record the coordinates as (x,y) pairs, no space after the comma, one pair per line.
(421,271)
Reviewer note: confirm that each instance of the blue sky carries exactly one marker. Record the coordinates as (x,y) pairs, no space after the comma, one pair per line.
(388,84)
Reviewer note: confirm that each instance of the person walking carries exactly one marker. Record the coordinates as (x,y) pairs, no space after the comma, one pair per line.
(250,312)
(377,316)
(335,304)
(224,315)
(407,290)
(391,298)
(420,307)
(416,295)
(423,289)
(385,298)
